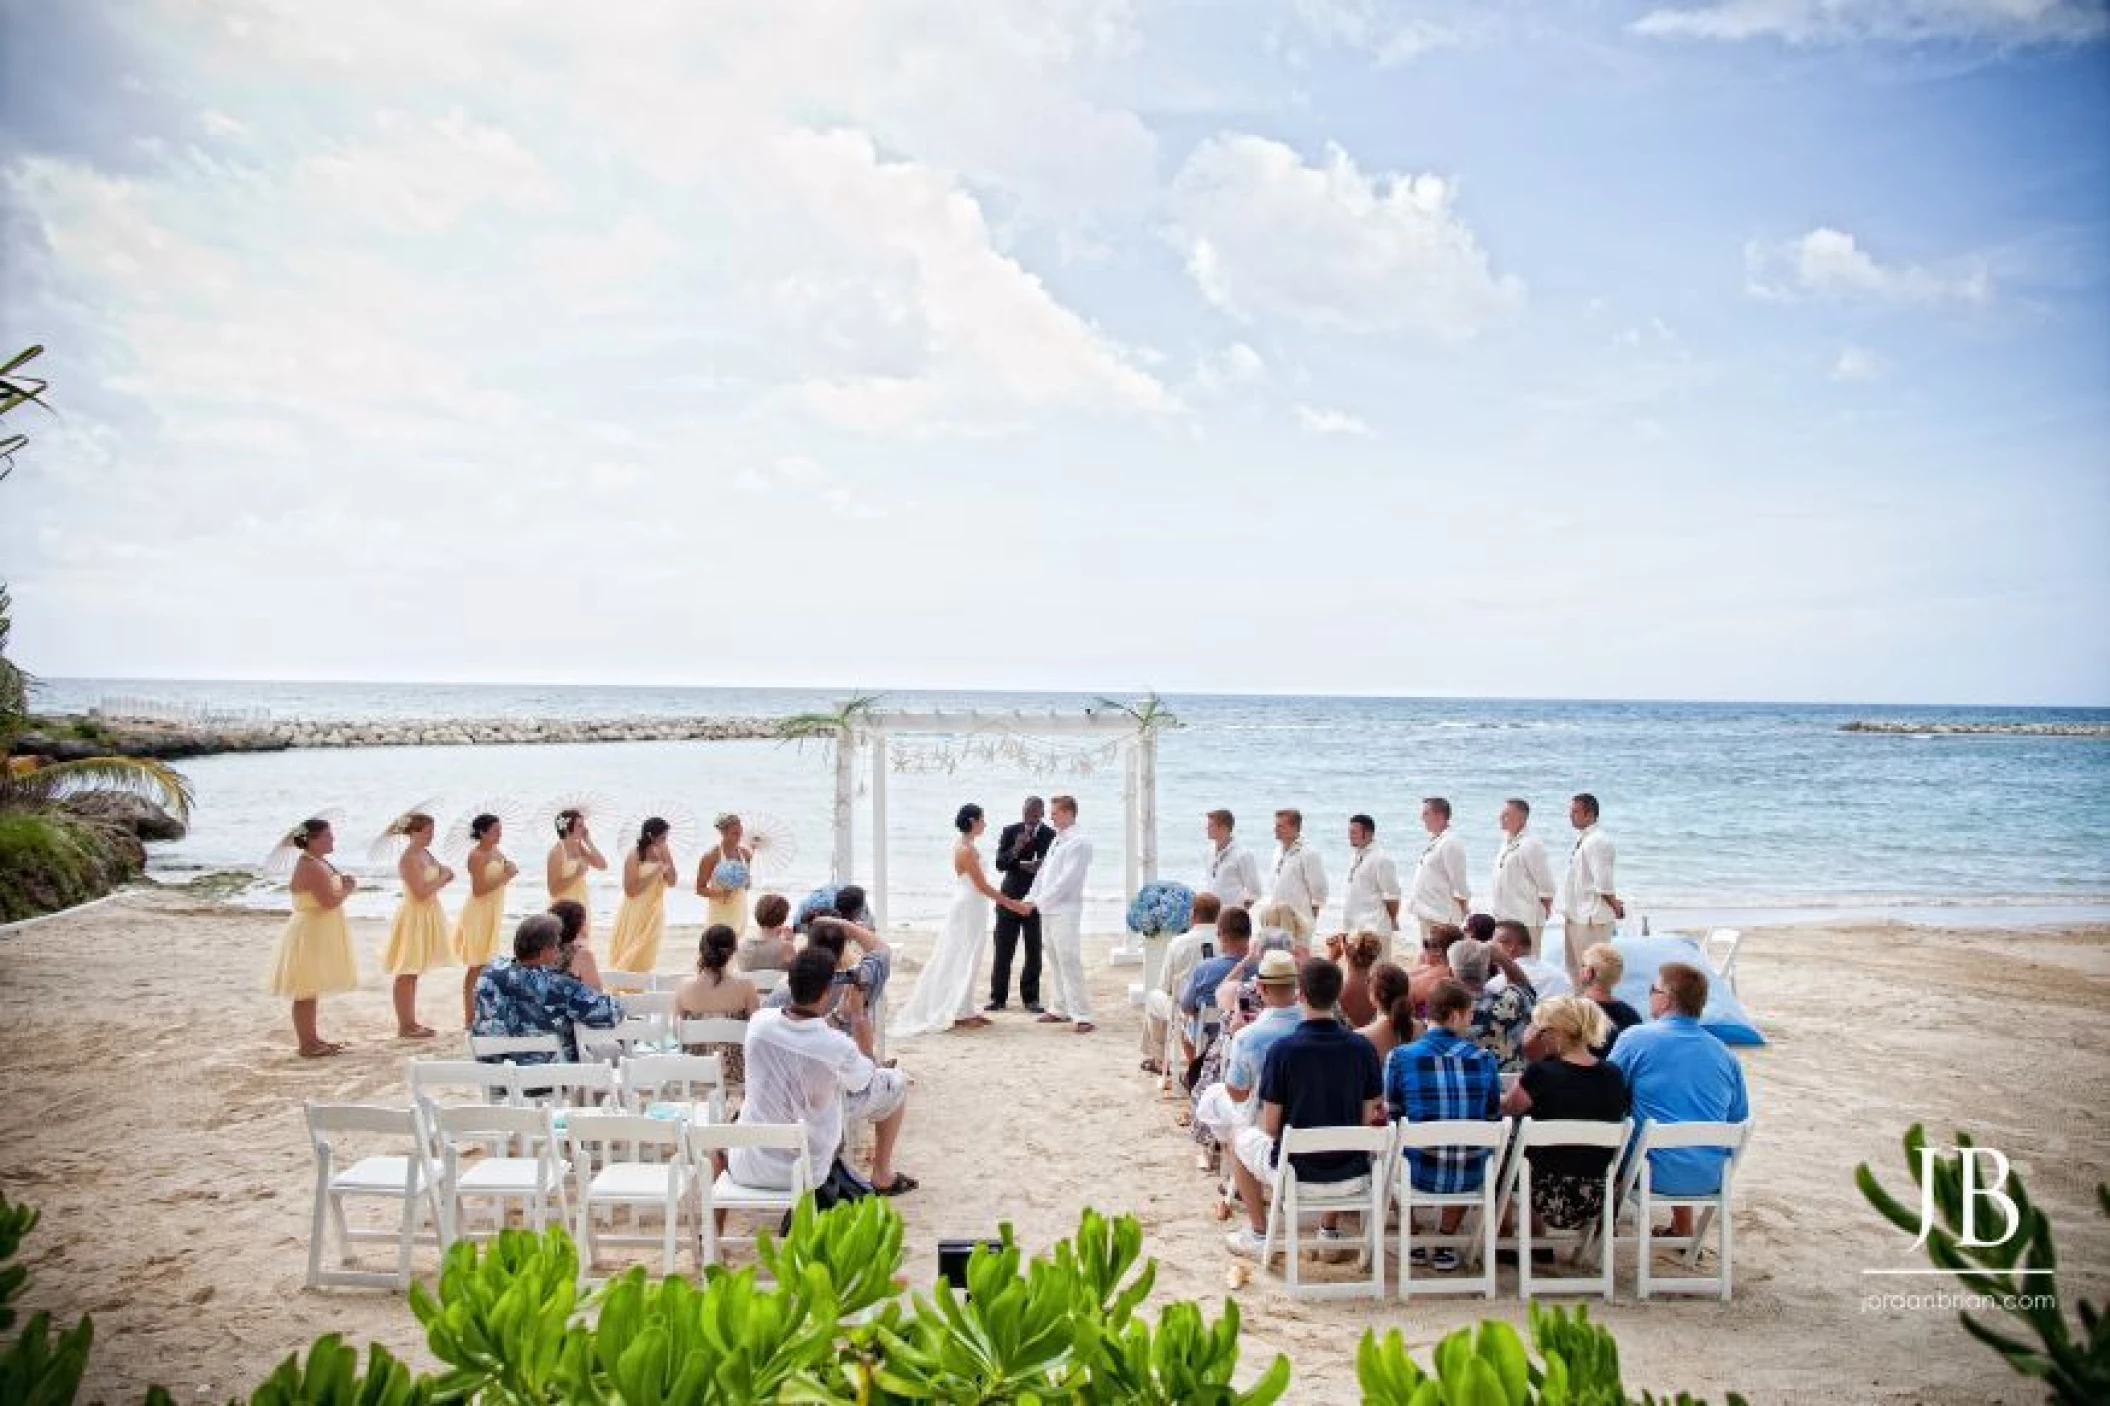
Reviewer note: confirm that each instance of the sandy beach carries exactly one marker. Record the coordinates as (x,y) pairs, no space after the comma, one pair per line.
(153,1098)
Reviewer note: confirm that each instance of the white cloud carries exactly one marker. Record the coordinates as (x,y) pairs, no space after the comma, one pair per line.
(421,176)
(1321,420)
(1858,364)
(1379,29)
(1328,246)
(1234,366)
(218,124)
(2000,22)
(1830,264)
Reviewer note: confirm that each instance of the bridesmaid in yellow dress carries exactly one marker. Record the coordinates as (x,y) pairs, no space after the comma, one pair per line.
(722,876)
(476,928)
(648,872)
(315,951)
(417,939)
(569,858)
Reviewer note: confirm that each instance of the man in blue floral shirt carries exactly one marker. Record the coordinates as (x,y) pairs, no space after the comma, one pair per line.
(1501,1019)
(529,996)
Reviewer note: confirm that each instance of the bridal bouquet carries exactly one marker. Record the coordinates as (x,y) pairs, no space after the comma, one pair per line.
(1161,908)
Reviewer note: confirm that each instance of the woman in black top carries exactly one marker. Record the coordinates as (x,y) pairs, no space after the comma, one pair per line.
(1567,1183)
(1602,968)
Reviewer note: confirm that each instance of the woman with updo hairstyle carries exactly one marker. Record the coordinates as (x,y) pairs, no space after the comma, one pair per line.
(722,875)
(315,950)
(417,937)
(570,859)
(574,957)
(648,872)
(1390,998)
(1568,1081)
(1284,917)
(945,990)
(476,927)
(718,990)
(1355,954)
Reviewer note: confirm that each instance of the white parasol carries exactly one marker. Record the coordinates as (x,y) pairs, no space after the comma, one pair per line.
(286,853)
(388,846)
(770,837)
(511,814)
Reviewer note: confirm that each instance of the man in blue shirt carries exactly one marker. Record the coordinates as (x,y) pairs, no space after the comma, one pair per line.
(1223,1108)
(1320,1075)
(1234,938)
(1442,1077)
(1679,1073)
(529,996)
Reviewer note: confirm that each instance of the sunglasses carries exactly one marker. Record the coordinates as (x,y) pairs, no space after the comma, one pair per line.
(1657,991)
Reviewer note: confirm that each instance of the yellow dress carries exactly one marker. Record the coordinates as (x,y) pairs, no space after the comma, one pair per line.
(730,910)
(476,929)
(417,939)
(574,888)
(314,952)
(640,923)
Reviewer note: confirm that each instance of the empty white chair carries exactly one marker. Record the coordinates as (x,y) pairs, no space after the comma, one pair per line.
(1476,1240)
(485,1083)
(612,980)
(526,1169)
(1516,1195)
(696,1080)
(1711,1207)
(588,1084)
(1721,948)
(653,1002)
(404,1177)
(619,1180)
(1291,1199)
(506,1046)
(708,1142)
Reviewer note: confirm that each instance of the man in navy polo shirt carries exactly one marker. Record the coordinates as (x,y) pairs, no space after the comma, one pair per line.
(1320,1075)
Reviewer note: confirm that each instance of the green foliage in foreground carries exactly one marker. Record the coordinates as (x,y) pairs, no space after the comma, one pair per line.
(2019,1273)
(49,861)
(1487,1365)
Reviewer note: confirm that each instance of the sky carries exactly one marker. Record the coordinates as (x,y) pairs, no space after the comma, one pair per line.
(1713,349)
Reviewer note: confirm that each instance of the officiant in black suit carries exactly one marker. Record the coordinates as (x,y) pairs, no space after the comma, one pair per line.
(1019,851)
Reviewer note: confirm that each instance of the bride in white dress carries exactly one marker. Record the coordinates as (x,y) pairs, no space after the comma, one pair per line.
(945,991)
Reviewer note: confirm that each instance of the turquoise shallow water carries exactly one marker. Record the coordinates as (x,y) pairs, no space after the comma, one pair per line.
(1717,808)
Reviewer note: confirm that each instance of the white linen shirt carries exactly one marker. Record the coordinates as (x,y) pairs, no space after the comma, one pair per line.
(1589,879)
(1523,882)
(1232,874)
(1372,879)
(1059,886)
(1441,888)
(797,1072)
(1300,877)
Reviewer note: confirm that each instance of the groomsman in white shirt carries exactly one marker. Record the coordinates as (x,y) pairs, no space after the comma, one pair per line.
(1229,870)
(1372,901)
(1589,903)
(1523,885)
(1442,892)
(1058,896)
(1300,875)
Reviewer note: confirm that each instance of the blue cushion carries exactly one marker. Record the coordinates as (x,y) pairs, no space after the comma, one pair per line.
(1724,1018)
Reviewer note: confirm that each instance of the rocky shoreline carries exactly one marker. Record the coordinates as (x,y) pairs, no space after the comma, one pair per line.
(66,738)
(1912,729)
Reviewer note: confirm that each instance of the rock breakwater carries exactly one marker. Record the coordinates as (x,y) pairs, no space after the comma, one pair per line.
(1921,729)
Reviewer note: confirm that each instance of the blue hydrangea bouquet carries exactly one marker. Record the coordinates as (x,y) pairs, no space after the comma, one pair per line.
(1161,908)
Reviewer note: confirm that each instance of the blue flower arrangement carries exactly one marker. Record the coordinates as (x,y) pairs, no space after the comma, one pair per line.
(730,874)
(1161,908)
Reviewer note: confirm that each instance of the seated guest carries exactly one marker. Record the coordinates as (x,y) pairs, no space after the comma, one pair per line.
(1434,965)
(1320,1075)
(1237,1003)
(1181,954)
(862,976)
(1678,1073)
(1569,1081)
(574,957)
(1602,970)
(1513,940)
(1444,1077)
(1357,953)
(1389,997)
(1224,1106)
(1501,1019)
(771,948)
(1237,995)
(1197,1002)
(800,1069)
(1284,917)
(717,990)
(529,996)
(1480,927)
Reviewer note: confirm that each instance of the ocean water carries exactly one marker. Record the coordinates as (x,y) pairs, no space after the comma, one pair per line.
(1717,808)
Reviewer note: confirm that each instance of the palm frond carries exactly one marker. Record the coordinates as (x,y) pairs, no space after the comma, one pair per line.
(1148,715)
(138,776)
(803,727)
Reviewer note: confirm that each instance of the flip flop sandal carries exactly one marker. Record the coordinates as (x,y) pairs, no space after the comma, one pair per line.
(901,1185)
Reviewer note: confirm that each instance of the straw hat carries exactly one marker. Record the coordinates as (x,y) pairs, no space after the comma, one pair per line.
(1278,969)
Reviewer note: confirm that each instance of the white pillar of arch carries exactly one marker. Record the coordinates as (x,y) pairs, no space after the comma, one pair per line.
(881,759)
(845,807)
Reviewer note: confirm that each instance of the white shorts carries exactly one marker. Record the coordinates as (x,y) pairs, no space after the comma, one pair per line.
(1255,1151)
(877,1101)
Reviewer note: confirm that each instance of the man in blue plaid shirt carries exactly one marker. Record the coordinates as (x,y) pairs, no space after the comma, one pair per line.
(1440,1077)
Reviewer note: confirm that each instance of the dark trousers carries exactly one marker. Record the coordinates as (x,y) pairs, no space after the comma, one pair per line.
(1009,926)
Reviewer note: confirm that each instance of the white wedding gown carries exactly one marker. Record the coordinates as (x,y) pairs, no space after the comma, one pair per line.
(945,990)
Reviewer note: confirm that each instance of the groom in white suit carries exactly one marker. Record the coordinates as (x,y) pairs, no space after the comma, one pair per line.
(1058,896)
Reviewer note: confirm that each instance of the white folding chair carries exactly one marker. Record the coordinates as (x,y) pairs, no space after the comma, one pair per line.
(1721,948)
(1711,1207)
(1291,1199)
(766,979)
(694,1080)
(713,1030)
(404,1177)
(611,1043)
(708,1142)
(613,980)
(1516,1195)
(1476,1242)
(664,984)
(507,1046)
(631,1180)
(527,1168)
(587,1084)
(490,1083)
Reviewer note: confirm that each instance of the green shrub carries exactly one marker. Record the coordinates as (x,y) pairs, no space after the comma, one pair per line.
(1487,1365)
(50,861)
